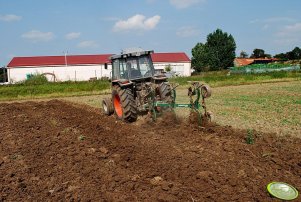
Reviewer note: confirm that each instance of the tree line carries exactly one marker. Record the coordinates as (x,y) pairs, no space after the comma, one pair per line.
(218,53)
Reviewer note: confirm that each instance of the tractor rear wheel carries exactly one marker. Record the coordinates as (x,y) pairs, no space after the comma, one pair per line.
(124,104)
(165,92)
(107,106)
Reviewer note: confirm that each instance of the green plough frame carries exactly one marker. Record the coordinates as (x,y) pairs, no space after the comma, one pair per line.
(194,105)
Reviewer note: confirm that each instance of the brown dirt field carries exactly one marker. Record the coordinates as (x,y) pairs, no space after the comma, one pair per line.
(58,151)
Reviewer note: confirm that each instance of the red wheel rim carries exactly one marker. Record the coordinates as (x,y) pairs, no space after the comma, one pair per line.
(117,106)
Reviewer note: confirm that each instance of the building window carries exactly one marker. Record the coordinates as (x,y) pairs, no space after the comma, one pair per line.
(106,65)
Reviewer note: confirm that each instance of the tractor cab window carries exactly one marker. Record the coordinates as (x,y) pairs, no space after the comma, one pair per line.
(145,66)
(115,69)
(123,72)
(119,70)
(133,68)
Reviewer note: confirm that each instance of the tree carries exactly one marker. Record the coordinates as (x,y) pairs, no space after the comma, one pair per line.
(258,53)
(3,74)
(281,56)
(295,54)
(216,54)
(199,57)
(243,54)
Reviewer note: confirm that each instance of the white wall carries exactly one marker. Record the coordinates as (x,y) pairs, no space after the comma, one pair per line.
(183,69)
(62,73)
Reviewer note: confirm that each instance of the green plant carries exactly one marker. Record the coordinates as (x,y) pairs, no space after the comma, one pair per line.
(168,68)
(250,137)
(35,79)
(82,137)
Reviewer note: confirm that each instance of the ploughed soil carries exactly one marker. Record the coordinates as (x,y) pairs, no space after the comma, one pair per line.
(58,151)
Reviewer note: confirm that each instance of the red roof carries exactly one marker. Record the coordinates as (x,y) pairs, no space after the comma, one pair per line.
(243,61)
(170,57)
(59,60)
(86,59)
(248,61)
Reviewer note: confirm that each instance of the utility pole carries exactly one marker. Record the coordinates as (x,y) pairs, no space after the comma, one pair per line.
(65,53)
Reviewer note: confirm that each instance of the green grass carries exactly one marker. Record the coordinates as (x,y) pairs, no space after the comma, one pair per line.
(25,90)
(267,107)
(38,87)
(270,107)
(222,78)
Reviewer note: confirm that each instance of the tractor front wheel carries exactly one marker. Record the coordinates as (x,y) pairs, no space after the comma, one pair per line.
(124,104)
(107,106)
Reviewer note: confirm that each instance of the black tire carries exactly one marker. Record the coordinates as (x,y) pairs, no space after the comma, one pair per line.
(206,91)
(165,92)
(124,104)
(107,106)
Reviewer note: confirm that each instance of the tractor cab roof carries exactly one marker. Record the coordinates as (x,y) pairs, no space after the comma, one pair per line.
(131,53)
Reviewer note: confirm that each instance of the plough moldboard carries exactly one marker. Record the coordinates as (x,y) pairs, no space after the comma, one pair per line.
(197,95)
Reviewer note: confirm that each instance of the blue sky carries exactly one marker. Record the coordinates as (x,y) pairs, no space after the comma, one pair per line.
(36,27)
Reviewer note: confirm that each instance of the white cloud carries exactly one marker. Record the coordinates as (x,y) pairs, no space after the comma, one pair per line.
(180,4)
(137,22)
(87,44)
(72,35)
(38,36)
(10,18)
(289,34)
(188,32)
(290,30)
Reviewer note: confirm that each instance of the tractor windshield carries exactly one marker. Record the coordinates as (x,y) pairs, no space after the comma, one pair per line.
(133,67)
(140,67)
(146,66)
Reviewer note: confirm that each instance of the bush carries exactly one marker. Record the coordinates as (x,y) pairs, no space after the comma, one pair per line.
(35,79)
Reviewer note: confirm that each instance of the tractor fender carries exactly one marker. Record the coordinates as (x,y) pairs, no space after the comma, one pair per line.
(122,83)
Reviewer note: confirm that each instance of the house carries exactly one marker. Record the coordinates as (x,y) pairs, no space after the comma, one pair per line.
(238,62)
(178,62)
(60,68)
(85,67)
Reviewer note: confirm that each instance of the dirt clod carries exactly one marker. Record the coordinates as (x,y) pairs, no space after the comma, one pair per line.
(103,150)
(156,181)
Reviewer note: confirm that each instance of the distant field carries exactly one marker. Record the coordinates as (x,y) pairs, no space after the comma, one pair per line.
(265,102)
(223,78)
(30,90)
(268,107)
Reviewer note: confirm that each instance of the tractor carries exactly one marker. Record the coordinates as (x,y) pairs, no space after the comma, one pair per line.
(137,90)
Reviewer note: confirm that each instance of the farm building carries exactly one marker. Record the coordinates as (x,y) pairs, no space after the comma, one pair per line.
(60,68)
(179,62)
(238,62)
(85,67)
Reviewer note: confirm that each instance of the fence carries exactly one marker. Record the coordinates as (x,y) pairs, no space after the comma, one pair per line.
(263,68)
